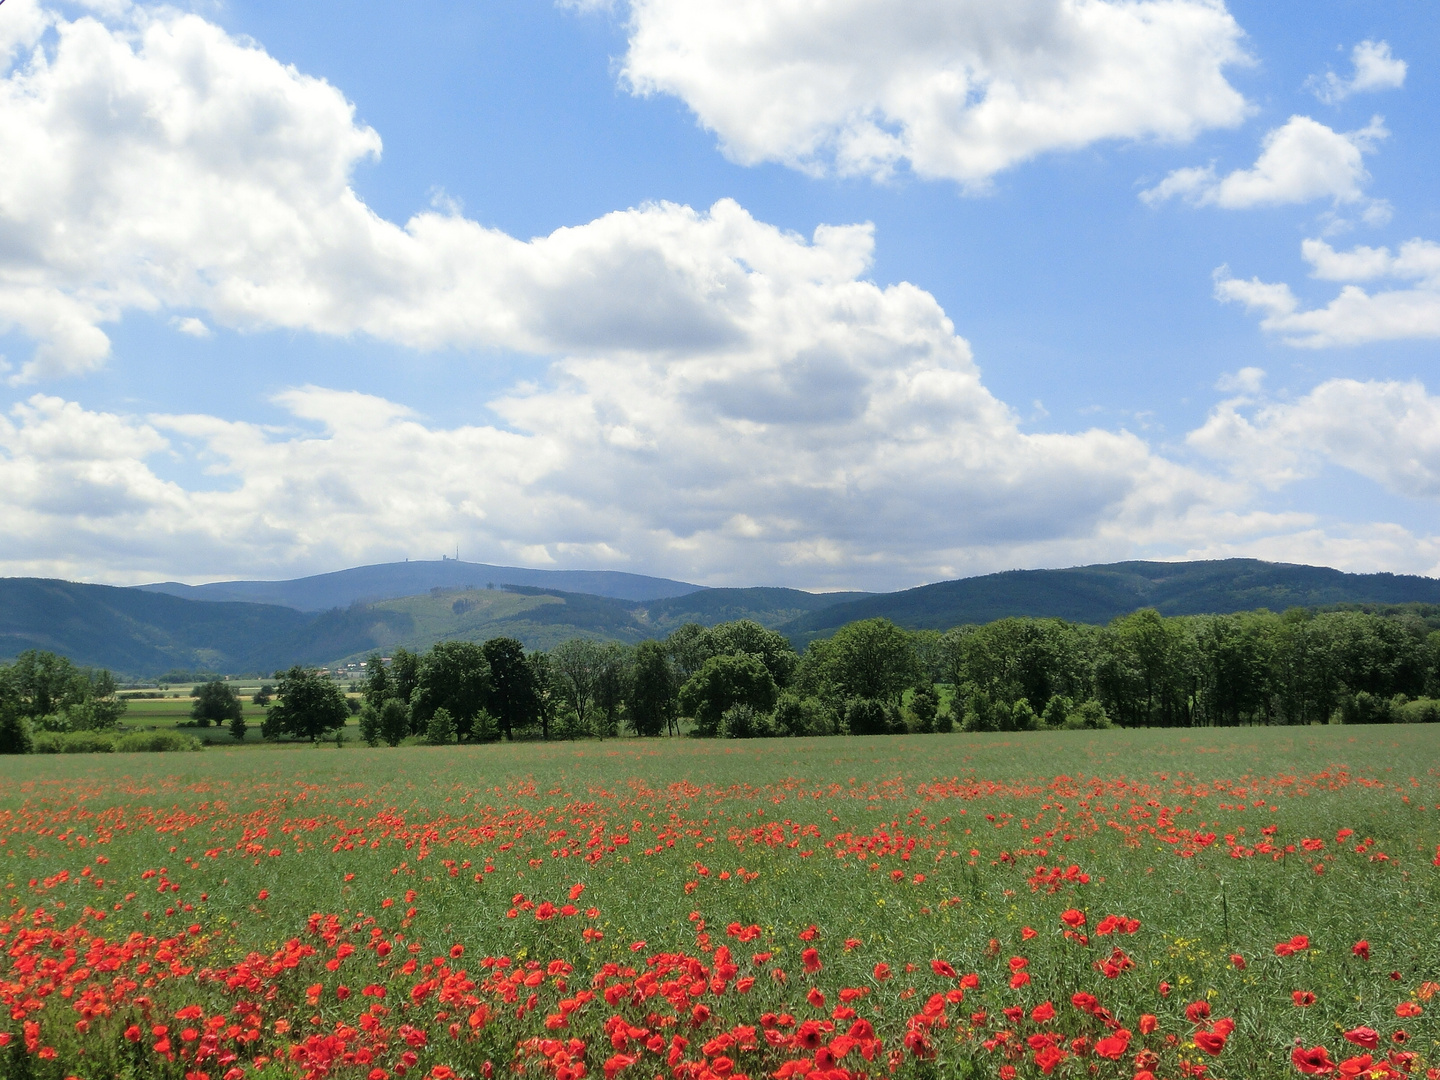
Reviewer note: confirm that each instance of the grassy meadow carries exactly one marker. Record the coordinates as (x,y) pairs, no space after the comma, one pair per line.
(172,712)
(1247,902)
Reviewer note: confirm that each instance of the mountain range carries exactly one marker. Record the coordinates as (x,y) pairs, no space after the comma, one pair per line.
(386,581)
(258,626)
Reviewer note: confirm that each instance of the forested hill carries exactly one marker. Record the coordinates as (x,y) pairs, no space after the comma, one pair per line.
(131,631)
(137,632)
(1097,594)
(144,633)
(388,581)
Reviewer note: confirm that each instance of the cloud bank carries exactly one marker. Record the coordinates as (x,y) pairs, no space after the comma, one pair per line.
(1355,316)
(959,91)
(725,401)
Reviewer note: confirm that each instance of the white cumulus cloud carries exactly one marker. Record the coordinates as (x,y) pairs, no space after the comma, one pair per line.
(958,90)
(1374,69)
(1300,161)
(1355,316)
(911,472)
(1388,432)
(724,401)
(161,164)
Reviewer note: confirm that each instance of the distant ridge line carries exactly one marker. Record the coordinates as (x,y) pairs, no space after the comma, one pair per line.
(1099,593)
(145,631)
(388,581)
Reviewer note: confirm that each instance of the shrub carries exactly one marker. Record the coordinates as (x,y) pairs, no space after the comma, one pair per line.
(925,704)
(1057,711)
(1366,708)
(795,715)
(1420,711)
(484,728)
(73,742)
(745,722)
(980,713)
(945,720)
(1022,717)
(871,716)
(238,728)
(15,737)
(394,721)
(1089,716)
(441,729)
(976,720)
(370,726)
(156,742)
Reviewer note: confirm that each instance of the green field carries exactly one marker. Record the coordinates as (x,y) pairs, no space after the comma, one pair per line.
(899,851)
(173,713)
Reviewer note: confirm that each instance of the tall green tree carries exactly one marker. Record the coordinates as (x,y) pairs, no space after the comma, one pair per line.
(747,636)
(378,687)
(309,705)
(15,735)
(576,665)
(547,690)
(512,700)
(215,703)
(652,704)
(394,721)
(872,658)
(723,681)
(612,684)
(688,646)
(1145,676)
(46,684)
(1234,658)
(454,676)
(404,674)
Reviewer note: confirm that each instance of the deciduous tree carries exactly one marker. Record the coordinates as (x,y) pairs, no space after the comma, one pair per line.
(309,704)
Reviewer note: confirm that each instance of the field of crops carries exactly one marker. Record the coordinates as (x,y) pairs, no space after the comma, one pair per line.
(1235,903)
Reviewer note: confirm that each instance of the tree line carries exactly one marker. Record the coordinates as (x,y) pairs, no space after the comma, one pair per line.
(740,680)
(41,691)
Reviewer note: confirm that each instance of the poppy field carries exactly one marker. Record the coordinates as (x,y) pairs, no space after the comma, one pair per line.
(1136,905)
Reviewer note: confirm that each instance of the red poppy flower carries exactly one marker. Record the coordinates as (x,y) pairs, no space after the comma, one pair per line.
(1212,1042)
(1314,1062)
(882,972)
(1048,1058)
(1303,998)
(1367,1037)
(1073,918)
(1113,1046)
(940,967)
(1361,949)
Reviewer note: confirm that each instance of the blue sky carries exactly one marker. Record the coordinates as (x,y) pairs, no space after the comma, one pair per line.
(1187,253)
